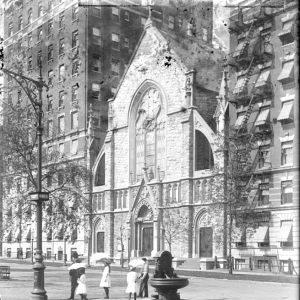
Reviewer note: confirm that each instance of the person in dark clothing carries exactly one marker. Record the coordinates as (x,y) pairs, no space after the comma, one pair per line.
(74,275)
(144,279)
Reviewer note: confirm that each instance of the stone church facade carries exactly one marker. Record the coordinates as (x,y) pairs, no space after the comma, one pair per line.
(158,149)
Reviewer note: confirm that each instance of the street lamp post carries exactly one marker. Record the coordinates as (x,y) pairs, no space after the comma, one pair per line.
(65,251)
(28,85)
(32,238)
(89,231)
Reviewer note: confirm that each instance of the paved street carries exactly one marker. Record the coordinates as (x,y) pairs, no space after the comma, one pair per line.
(58,286)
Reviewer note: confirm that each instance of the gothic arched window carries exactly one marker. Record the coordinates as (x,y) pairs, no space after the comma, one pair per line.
(150,134)
(204,158)
(100,174)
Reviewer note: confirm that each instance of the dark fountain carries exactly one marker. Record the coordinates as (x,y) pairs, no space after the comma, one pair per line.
(164,280)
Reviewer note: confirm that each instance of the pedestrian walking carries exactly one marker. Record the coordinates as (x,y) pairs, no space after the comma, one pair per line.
(144,279)
(74,275)
(105,280)
(81,288)
(132,286)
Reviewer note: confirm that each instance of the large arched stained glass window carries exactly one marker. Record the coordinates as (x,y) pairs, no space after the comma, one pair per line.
(150,134)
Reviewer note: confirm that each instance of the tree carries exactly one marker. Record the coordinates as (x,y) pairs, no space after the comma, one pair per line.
(233,212)
(173,222)
(66,179)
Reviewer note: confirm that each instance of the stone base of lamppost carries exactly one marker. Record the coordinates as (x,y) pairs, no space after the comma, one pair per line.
(38,292)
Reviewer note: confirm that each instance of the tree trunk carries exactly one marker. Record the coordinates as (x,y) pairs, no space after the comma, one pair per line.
(230,238)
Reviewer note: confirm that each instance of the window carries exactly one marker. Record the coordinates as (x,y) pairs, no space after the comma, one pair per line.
(61,98)
(264,78)
(39,33)
(75,12)
(61,21)
(143,21)
(50,78)
(264,157)
(287,73)
(96,36)
(115,41)
(29,63)
(61,46)
(50,4)
(74,92)
(49,181)
(263,197)
(39,57)
(126,15)
(49,128)
(205,34)
(115,67)
(263,117)
(40,9)
(240,85)
(60,177)
(115,14)
(10,29)
(287,153)
(74,120)
(286,114)
(286,192)
(126,42)
(20,44)
(204,158)
(61,124)
(50,27)
(75,39)
(50,53)
(75,66)
(10,50)
(97,12)
(285,235)
(149,146)
(287,35)
(20,23)
(96,63)
(74,146)
(171,22)
(9,97)
(61,148)
(239,120)
(95,91)
(30,15)
(50,103)
(180,21)
(29,40)
(61,73)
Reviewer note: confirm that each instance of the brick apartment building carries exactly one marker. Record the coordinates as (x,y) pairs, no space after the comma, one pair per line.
(84,52)
(263,100)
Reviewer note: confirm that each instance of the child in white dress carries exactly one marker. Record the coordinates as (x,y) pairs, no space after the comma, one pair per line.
(81,288)
(132,286)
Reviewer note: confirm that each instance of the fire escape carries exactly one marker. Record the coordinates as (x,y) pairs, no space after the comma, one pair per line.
(252,51)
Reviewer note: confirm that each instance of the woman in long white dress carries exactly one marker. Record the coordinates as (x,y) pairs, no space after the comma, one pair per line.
(81,288)
(132,286)
(105,280)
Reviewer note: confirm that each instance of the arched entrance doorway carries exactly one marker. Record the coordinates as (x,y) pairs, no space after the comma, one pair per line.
(99,236)
(144,230)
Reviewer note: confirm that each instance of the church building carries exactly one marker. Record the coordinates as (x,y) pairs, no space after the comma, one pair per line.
(158,151)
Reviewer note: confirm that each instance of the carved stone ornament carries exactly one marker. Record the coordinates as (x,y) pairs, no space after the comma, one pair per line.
(189,83)
(150,211)
(100,226)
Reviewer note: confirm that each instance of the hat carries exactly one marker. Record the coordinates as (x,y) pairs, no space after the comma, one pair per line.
(144,259)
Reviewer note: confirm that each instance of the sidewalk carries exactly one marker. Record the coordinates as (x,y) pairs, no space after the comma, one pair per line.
(216,273)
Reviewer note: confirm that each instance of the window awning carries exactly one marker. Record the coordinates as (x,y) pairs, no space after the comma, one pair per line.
(239,48)
(239,120)
(8,235)
(49,234)
(287,28)
(262,117)
(287,145)
(261,235)
(240,84)
(286,111)
(263,78)
(287,71)
(285,233)
(60,232)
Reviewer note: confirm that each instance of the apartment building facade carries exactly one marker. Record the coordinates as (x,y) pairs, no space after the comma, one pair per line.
(263,103)
(83,50)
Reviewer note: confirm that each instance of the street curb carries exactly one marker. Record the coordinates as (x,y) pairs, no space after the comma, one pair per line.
(293,279)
